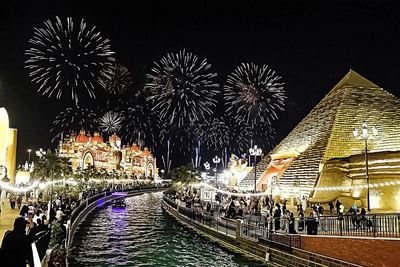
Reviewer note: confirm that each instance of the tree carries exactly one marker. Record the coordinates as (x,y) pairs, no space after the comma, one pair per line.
(50,166)
(184,174)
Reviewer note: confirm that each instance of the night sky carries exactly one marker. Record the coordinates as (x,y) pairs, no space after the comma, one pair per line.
(311,44)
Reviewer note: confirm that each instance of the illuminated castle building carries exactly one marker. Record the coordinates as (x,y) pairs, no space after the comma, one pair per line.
(322,152)
(86,151)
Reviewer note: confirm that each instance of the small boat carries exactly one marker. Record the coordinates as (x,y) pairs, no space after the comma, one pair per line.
(119,203)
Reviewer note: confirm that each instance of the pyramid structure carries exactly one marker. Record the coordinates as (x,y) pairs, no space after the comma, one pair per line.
(327,132)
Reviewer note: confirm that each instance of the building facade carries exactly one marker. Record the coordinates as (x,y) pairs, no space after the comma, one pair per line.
(85,151)
(8,145)
(322,151)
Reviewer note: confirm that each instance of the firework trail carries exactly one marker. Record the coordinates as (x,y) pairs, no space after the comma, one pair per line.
(72,120)
(182,88)
(117,81)
(240,136)
(264,135)
(111,122)
(67,57)
(141,125)
(254,94)
(214,133)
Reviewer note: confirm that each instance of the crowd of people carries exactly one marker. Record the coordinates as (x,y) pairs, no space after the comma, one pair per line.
(276,216)
(45,227)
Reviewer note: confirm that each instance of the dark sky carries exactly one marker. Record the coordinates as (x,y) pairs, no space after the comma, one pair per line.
(311,44)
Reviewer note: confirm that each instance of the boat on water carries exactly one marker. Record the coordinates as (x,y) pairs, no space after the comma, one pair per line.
(119,203)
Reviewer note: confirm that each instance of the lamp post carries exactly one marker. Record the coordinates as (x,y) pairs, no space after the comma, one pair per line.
(272,185)
(365,136)
(162,173)
(255,151)
(216,160)
(29,155)
(207,166)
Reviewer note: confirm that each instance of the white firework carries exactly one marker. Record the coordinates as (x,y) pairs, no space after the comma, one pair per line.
(68,57)
(111,122)
(182,88)
(254,94)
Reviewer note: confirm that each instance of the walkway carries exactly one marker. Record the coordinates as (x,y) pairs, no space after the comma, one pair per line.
(7,218)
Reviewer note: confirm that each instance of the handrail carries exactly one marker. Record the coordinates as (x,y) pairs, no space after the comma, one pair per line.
(385,225)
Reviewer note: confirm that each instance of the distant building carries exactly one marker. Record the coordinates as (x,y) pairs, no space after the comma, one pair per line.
(8,145)
(85,151)
(322,152)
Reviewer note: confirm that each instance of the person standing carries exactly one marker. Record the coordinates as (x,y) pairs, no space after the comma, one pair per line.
(16,247)
(301,221)
(13,199)
(277,217)
(291,224)
(338,206)
(331,207)
(19,201)
(311,223)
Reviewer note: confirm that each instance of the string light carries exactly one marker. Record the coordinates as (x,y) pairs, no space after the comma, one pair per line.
(331,188)
(34,185)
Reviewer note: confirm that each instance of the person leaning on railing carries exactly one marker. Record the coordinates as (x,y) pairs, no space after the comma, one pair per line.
(312,225)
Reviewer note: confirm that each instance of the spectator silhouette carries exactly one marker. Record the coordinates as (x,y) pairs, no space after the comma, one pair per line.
(16,246)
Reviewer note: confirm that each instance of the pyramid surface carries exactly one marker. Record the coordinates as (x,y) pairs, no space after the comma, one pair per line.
(327,131)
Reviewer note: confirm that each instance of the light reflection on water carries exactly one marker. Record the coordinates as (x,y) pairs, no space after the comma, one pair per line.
(142,234)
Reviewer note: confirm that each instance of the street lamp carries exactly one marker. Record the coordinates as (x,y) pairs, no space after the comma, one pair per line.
(162,173)
(365,136)
(207,166)
(216,160)
(29,154)
(272,185)
(40,153)
(255,151)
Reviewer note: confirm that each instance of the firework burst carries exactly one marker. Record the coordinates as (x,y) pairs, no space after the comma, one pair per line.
(240,136)
(111,122)
(72,120)
(214,133)
(68,57)
(118,81)
(254,94)
(141,125)
(182,88)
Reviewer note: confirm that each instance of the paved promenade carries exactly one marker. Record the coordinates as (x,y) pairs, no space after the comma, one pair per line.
(7,218)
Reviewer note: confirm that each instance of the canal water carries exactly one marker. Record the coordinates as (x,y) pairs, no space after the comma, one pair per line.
(142,234)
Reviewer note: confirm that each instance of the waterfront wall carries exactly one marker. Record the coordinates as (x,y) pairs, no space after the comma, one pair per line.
(257,249)
(369,252)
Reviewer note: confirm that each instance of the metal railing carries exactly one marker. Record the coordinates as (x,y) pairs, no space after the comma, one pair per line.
(211,220)
(385,225)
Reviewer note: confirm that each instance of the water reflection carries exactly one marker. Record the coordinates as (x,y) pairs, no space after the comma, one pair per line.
(142,234)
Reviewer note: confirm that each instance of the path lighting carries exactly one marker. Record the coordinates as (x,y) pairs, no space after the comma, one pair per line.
(365,135)
(207,166)
(29,154)
(40,153)
(272,185)
(255,151)
(216,160)
(42,183)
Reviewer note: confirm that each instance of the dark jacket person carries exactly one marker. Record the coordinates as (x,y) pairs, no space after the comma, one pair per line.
(16,246)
